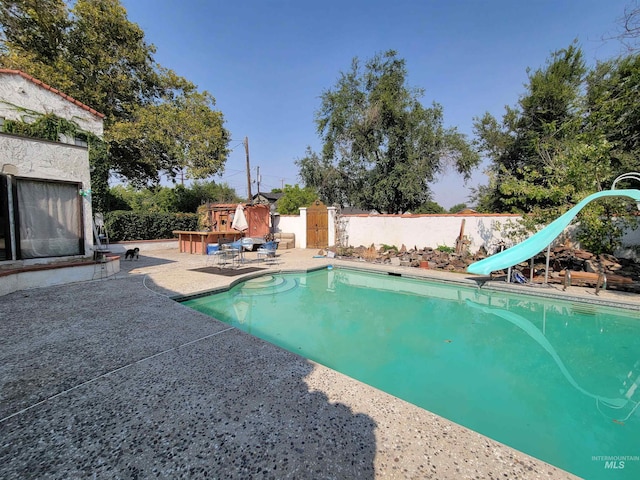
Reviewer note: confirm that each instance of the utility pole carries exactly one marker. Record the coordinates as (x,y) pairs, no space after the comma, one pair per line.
(246,149)
(258,178)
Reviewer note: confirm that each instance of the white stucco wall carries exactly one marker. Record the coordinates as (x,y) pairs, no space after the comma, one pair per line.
(22,99)
(41,159)
(409,230)
(38,159)
(292,224)
(424,230)
(631,237)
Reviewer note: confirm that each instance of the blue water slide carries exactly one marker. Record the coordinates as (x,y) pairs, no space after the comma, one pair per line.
(540,240)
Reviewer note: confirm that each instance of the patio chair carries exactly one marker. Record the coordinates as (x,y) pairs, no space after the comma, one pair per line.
(231,253)
(267,251)
(213,253)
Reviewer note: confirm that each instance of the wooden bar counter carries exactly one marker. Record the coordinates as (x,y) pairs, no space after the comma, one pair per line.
(196,242)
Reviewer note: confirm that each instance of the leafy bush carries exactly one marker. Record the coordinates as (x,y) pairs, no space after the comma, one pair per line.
(445,249)
(602,226)
(169,199)
(126,225)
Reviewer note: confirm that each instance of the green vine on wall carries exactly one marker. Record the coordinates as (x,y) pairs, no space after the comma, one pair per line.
(45,127)
(50,127)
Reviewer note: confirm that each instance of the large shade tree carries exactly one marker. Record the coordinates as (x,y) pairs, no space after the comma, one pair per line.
(535,143)
(381,146)
(183,133)
(571,134)
(32,39)
(90,50)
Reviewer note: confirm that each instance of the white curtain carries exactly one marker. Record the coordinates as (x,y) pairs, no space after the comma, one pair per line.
(50,219)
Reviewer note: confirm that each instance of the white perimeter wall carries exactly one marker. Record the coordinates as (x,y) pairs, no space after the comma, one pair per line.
(424,231)
(629,240)
(293,224)
(409,230)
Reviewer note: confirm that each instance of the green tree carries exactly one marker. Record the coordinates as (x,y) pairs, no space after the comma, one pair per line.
(458,207)
(613,111)
(601,226)
(536,147)
(211,192)
(137,199)
(176,199)
(294,197)
(429,207)
(573,133)
(35,26)
(95,54)
(33,39)
(113,66)
(612,120)
(381,146)
(181,134)
(117,199)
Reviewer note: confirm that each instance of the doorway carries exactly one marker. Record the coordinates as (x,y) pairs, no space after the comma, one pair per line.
(317,225)
(5,235)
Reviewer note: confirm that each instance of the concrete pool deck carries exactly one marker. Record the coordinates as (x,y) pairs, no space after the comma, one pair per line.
(114,379)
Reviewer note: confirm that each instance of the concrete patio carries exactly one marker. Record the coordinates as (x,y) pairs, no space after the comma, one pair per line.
(114,379)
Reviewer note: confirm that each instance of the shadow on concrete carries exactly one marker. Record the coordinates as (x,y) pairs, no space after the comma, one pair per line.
(227,272)
(111,380)
(142,261)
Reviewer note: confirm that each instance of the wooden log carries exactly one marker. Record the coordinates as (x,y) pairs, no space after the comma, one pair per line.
(591,277)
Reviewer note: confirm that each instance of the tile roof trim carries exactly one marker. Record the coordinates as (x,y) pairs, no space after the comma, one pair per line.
(40,83)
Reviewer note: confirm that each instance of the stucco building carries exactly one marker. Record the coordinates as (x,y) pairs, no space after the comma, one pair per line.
(45,213)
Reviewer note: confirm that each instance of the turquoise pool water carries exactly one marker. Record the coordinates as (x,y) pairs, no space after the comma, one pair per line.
(559,381)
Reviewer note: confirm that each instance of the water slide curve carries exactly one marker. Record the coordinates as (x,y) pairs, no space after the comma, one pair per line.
(540,240)
(539,337)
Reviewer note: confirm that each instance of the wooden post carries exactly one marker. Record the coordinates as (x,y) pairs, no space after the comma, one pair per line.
(258,179)
(460,239)
(246,149)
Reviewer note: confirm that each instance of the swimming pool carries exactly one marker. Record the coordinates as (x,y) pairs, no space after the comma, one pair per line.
(556,380)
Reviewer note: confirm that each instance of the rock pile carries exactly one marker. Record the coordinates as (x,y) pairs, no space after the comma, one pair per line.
(441,259)
(561,258)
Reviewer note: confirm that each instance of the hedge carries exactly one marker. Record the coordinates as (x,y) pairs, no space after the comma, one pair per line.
(126,225)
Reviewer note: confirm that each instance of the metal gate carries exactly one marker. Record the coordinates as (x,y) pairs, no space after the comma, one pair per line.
(317,225)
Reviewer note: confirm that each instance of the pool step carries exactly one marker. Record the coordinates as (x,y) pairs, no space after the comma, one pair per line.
(267,285)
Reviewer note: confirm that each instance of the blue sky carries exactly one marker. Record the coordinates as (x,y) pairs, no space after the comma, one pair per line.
(268,61)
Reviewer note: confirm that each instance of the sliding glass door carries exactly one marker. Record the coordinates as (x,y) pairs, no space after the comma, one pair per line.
(5,232)
(49,218)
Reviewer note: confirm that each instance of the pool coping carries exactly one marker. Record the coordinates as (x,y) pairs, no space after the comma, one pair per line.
(535,290)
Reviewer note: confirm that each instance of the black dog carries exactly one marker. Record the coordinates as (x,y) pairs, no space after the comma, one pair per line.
(132,253)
